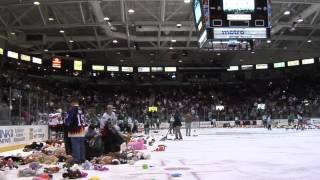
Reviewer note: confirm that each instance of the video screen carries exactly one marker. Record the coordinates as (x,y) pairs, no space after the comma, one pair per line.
(197,11)
(238,6)
(261,106)
(56,62)
(152,109)
(219,108)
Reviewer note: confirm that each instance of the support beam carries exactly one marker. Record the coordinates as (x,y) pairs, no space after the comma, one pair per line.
(165,28)
(82,14)
(304,14)
(148,11)
(87,24)
(96,36)
(162,20)
(112,49)
(124,19)
(175,12)
(52,2)
(22,15)
(42,16)
(3,22)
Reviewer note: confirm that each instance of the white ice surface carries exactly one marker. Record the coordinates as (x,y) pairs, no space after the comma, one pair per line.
(226,154)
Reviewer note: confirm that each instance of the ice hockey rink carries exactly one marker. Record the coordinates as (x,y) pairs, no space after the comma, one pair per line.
(228,154)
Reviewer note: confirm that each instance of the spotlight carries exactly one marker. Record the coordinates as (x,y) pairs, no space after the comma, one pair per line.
(13,33)
(37,3)
(173,41)
(186,1)
(106,18)
(130,11)
(287,12)
(61,31)
(170,47)
(300,19)
(46,50)
(71,41)
(51,19)
(269,41)
(179,25)
(115,41)
(309,41)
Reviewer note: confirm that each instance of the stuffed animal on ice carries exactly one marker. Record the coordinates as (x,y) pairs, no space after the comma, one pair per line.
(74,173)
(7,163)
(43,176)
(137,145)
(27,172)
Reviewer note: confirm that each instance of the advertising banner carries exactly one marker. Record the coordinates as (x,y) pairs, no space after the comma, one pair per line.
(18,135)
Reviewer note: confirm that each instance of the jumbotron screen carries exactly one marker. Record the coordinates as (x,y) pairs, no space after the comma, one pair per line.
(238,6)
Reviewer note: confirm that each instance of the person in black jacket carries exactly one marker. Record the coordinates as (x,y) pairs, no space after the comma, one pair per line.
(177,125)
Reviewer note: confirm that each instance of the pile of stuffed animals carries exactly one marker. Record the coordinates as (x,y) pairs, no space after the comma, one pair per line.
(49,158)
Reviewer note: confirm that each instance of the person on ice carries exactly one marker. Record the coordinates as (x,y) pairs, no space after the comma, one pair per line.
(75,126)
(110,131)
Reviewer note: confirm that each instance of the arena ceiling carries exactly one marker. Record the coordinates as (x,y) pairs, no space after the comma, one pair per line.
(147,35)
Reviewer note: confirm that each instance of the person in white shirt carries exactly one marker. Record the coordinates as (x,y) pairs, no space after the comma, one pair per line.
(110,131)
(110,116)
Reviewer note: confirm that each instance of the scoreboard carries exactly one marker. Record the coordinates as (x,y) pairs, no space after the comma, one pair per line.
(224,21)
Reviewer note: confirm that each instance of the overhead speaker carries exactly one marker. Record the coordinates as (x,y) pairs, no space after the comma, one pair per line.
(35,38)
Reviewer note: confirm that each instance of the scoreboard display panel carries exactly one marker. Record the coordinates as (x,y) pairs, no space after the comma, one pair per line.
(239,13)
(224,20)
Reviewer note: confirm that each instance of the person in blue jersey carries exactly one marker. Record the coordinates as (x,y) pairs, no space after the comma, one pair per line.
(75,126)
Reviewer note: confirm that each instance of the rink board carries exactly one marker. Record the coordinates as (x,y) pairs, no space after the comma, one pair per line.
(13,137)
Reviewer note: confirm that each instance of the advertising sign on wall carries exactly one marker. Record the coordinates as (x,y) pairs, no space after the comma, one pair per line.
(18,135)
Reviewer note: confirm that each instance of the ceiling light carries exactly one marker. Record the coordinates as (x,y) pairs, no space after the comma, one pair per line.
(46,50)
(37,3)
(13,33)
(171,48)
(51,19)
(292,29)
(61,31)
(71,41)
(300,19)
(106,18)
(309,41)
(268,41)
(179,25)
(115,41)
(173,40)
(131,11)
(287,12)
(186,1)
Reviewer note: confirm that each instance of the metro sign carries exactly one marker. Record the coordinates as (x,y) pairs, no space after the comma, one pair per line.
(240,33)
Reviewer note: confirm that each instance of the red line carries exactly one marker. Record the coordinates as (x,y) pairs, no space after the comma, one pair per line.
(196,176)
